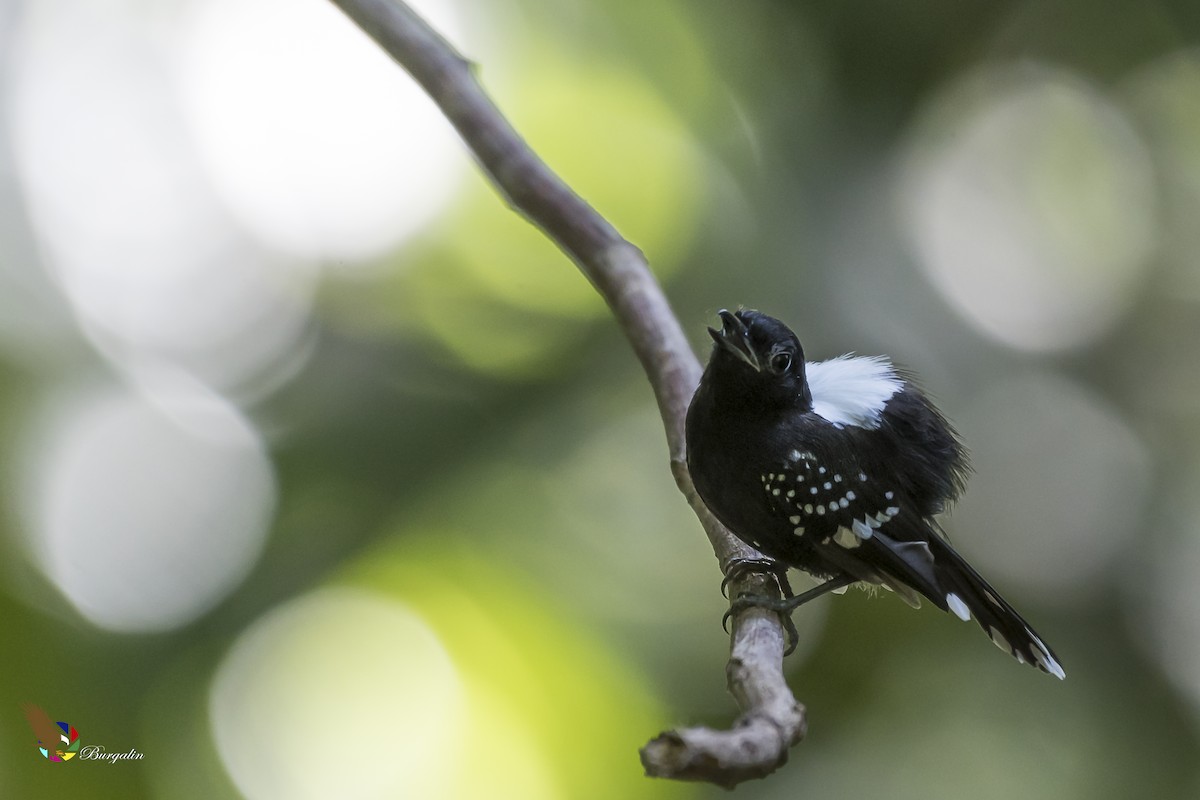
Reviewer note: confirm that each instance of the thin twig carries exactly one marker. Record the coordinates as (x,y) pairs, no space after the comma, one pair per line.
(772,720)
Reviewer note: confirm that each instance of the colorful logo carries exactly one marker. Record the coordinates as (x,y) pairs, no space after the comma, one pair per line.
(56,741)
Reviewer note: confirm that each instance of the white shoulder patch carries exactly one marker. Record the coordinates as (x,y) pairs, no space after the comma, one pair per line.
(852,390)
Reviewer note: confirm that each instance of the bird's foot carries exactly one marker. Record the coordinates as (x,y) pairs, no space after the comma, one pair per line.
(738,568)
(785,606)
(778,605)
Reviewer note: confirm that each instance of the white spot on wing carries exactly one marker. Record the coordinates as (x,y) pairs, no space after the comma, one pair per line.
(862,530)
(958,607)
(852,390)
(846,539)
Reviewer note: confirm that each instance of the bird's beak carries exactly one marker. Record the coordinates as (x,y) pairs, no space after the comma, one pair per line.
(734,336)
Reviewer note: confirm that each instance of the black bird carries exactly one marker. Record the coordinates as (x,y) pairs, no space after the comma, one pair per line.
(838,468)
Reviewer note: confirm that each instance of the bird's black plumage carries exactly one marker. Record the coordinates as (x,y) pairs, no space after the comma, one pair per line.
(838,468)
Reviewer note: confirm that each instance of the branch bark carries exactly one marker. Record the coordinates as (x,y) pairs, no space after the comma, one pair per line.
(771,719)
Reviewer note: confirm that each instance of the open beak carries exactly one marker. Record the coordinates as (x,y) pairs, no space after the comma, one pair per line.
(734,336)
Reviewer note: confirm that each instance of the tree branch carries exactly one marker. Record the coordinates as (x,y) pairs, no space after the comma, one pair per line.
(772,720)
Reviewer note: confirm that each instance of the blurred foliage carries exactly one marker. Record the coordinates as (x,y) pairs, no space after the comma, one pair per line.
(1002,197)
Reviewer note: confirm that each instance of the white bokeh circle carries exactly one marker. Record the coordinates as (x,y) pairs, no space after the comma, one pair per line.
(130,230)
(1032,206)
(340,693)
(322,146)
(146,509)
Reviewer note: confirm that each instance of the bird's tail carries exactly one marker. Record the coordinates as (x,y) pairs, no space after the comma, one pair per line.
(969,595)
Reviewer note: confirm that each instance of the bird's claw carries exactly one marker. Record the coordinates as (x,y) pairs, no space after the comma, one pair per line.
(782,607)
(740,567)
(737,569)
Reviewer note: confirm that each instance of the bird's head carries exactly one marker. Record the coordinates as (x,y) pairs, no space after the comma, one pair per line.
(757,359)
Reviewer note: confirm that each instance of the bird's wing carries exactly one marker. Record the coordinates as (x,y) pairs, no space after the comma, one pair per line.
(889,556)
(43,727)
(862,528)
(854,521)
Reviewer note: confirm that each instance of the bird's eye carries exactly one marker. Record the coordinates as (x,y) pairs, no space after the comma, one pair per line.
(781,362)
